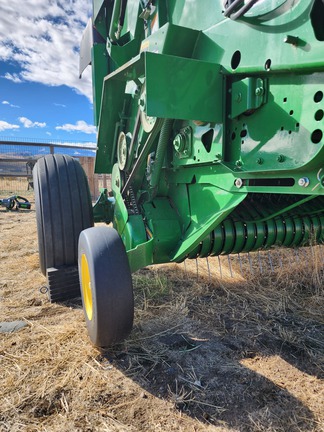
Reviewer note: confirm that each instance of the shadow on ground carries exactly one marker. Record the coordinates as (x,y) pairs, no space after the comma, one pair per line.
(208,347)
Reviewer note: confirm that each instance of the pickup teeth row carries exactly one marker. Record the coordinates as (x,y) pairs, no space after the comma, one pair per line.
(250,229)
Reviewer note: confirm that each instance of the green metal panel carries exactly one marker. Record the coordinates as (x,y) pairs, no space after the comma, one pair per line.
(182,88)
(284,126)
(123,44)
(165,224)
(259,41)
(100,16)
(99,71)
(97,5)
(134,232)
(112,113)
(172,40)
(141,256)
(199,15)
(217,204)
(247,94)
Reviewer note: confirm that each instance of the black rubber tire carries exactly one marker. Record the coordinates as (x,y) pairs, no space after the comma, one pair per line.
(111,289)
(63,209)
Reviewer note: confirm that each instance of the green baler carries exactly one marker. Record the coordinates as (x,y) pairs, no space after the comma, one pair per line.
(210,120)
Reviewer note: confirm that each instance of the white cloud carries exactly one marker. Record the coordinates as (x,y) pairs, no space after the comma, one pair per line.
(12,77)
(4,126)
(9,104)
(60,105)
(29,124)
(5,52)
(43,38)
(80,126)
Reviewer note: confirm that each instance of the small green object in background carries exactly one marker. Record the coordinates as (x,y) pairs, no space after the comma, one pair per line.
(15,202)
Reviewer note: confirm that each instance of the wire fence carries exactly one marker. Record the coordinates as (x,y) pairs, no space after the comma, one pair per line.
(18,158)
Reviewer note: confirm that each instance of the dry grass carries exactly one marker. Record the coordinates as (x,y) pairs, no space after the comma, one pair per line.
(207,353)
(13,186)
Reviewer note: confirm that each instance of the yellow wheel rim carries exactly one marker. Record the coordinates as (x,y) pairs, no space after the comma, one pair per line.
(86,287)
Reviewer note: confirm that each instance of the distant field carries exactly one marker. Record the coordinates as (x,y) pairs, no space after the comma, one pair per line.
(209,352)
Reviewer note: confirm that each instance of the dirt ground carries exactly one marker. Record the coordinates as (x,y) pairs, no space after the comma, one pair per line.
(209,352)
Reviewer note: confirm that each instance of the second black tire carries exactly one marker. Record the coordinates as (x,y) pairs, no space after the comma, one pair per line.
(63,209)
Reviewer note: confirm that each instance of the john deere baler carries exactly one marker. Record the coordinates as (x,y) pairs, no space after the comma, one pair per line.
(210,121)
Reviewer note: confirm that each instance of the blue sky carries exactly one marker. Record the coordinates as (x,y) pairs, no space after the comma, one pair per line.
(41,95)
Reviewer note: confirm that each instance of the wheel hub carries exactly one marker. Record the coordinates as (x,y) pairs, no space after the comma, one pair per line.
(86,287)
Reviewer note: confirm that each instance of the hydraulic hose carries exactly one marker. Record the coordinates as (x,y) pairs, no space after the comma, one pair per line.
(243,10)
(232,7)
(234,14)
